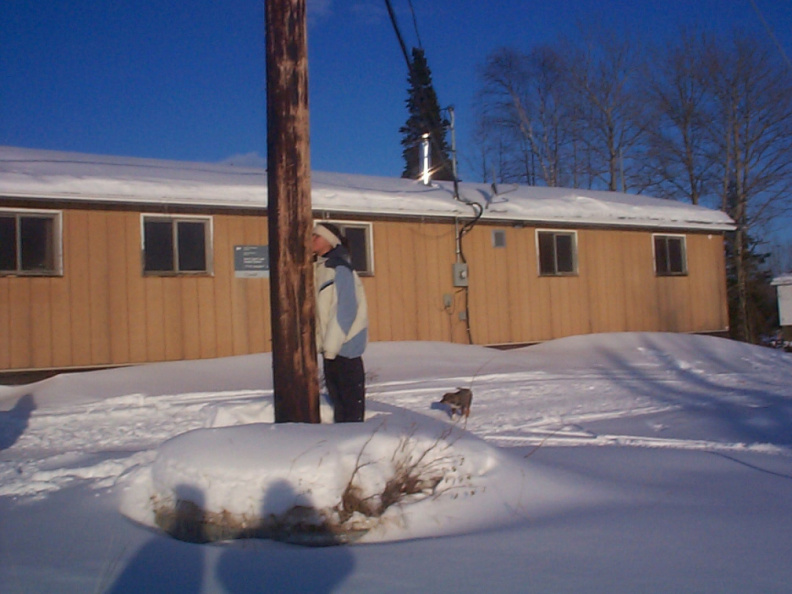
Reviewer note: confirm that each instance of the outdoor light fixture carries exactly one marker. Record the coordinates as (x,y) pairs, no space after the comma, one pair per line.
(425,153)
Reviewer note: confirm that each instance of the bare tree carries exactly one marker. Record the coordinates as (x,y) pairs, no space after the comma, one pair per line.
(565,115)
(723,136)
(523,110)
(679,158)
(494,148)
(610,118)
(752,131)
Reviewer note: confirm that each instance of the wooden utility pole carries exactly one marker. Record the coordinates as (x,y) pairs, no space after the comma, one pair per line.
(294,368)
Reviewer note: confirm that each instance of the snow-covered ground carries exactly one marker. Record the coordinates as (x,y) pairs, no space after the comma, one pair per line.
(615,462)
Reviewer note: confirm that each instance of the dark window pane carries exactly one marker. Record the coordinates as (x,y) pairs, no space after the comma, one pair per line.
(8,243)
(676,256)
(546,253)
(192,246)
(565,258)
(661,255)
(37,237)
(158,246)
(356,238)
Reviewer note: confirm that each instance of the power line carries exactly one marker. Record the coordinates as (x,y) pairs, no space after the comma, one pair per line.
(771,34)
(398,34)
(415,24)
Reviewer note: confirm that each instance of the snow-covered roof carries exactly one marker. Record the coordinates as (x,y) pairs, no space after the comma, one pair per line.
(784,279)
(40,174)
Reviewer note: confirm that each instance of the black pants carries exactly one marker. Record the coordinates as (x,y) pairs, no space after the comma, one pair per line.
(345,380)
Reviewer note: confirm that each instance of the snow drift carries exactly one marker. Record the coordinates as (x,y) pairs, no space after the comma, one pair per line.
(615,462)
(396,476)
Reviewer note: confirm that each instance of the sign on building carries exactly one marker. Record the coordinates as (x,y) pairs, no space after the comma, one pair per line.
(251,261)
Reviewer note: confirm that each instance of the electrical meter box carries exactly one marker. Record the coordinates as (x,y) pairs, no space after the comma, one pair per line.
(460,274)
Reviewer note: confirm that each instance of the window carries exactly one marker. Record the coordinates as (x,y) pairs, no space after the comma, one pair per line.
(358,236)
(670,255)
(557,252)
(176,245)
(30,243)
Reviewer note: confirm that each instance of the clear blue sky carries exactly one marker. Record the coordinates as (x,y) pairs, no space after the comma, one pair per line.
(185,79)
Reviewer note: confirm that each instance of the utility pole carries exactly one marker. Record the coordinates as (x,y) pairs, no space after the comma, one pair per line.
(294,367)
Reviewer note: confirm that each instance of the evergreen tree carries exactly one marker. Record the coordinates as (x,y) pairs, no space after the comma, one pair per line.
(759,315)
(425,117)
(753,308)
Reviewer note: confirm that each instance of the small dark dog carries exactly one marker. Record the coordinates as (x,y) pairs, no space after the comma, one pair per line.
(459,401)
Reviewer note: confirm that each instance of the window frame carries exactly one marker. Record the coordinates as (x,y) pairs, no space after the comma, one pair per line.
(368,230)
(682,238)
(174,220)
(574,255)
(56,216)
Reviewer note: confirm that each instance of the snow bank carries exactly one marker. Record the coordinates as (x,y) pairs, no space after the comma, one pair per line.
(254,472)
(625,460)
(662,351)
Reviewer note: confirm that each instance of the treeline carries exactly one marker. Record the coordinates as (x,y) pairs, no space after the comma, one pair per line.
(703,119)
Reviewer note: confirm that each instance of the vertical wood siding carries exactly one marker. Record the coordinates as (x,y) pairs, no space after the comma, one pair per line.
(615,288)
(103,311)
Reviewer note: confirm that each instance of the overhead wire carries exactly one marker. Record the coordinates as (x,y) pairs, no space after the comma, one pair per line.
(771,34)
(398,34)
(415,24)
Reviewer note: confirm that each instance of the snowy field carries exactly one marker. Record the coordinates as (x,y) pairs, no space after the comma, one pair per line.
(604,463)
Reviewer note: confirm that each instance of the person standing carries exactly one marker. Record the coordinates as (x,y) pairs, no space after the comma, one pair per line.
(341,323)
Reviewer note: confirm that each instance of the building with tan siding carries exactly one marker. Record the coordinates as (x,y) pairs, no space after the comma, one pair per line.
(112,261)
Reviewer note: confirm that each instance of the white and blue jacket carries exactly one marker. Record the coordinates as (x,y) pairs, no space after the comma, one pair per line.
(341,310)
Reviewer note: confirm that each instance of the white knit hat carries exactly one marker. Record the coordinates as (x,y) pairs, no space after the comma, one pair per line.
(324,232)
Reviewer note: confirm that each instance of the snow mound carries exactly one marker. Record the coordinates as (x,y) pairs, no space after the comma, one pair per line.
(393,477)
(661,351)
